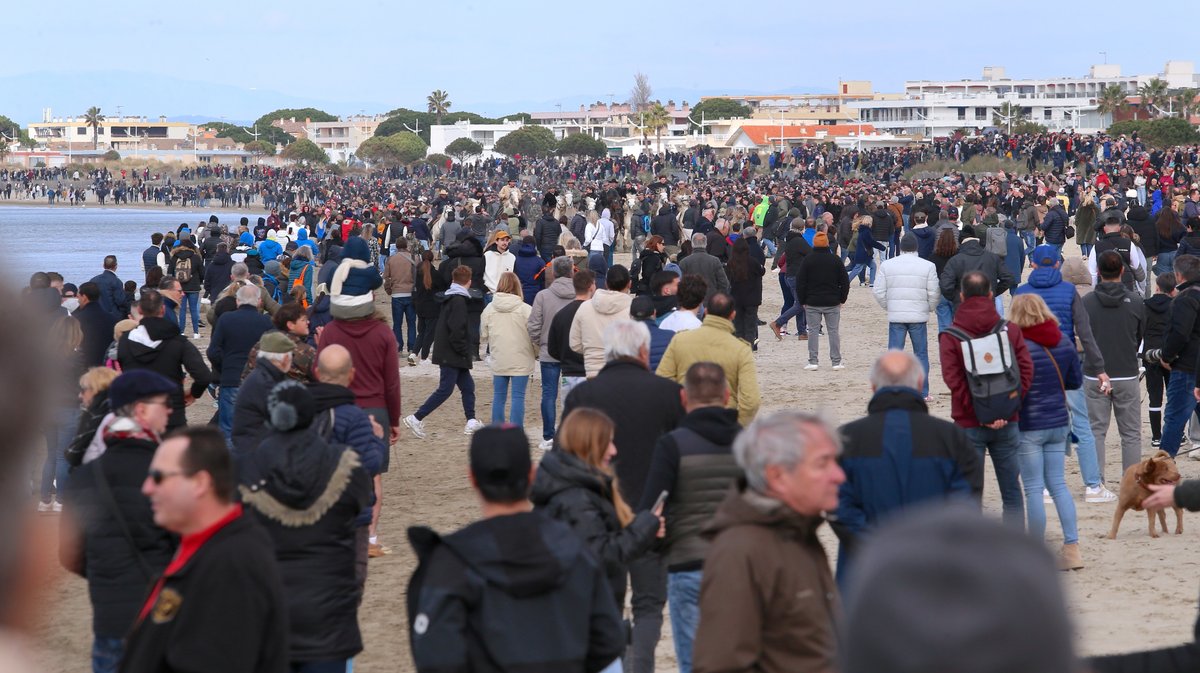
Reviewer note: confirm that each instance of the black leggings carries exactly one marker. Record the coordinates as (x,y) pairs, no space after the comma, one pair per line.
(425,327)
(1155,387)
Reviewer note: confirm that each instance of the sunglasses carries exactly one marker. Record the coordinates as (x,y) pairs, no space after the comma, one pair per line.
(158,476)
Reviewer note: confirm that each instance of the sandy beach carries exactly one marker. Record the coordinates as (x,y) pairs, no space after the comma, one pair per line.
(1134,593)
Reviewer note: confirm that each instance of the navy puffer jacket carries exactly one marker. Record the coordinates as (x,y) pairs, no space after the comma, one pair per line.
(1045,406)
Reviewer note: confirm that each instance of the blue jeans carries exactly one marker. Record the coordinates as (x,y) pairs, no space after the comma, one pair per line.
(857,268)
(551,371)
(918,333)
(683,599)
(448,378)
(1030,240)
(795,310)
(106,654)
(945,314)
(1086,249)
(789,298)
(1179,408)
(1003,445)
(1164,264)
(189,305)
(226,399)
(404,309)
(58,437)
(1081,427)
(516,414)
(1042,457)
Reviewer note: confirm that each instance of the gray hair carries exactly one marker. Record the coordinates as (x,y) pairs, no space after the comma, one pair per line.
(239,271)
(303,252)
(563,267)
(907,376)
(276,359)
(700,240)
(778,439)
(625,339)
(248,295)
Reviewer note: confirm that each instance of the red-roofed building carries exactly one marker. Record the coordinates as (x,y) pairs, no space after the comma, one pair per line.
(765,137)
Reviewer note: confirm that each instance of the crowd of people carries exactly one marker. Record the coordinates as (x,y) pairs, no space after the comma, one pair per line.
(658,476)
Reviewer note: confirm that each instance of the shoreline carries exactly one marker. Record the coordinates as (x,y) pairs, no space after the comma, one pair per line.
(23,203)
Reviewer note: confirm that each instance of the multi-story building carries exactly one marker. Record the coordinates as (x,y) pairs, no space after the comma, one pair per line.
(441,135)
(615,121)
(124,134)
(939,108)
(340,139)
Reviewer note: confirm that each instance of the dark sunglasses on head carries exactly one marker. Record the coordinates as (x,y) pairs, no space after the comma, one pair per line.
(158,476)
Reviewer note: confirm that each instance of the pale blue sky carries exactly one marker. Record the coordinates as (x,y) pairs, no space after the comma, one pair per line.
(240,59)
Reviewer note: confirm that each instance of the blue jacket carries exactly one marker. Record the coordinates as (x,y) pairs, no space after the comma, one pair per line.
(896,456)
(113,299)
(527,266)
(303,239)
(1045,405)
(1047,283)
(926,238)
(235,334)
(867,245)
(351,427)
(659,340)
(1014,257)
(358,281)
(1054,225)
(294,272)
(269,250)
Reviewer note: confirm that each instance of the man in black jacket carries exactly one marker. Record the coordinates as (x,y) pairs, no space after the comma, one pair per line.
(223,586)
(973,257)
(822,286)
(643,406)
(795,249)
(96,324)
(666,225)
(113,299)
(1181,348)
(483,599)
(453,354)
(694,464)
(250,412)
(545,234)
(157,345)
(235,334)
(108,535)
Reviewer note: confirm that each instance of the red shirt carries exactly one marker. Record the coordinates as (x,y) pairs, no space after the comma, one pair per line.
(188,546)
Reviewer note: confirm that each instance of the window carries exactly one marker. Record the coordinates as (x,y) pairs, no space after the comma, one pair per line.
(1048,113)
(962,113)
(81,130)
(483,137)
(981,113)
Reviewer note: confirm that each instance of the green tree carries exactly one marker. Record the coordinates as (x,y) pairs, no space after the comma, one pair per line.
(305,151)
(1183,102)
(112,155)
(1028,128)
(1110,101)
(582,144)
(717,108)
(438,103)
(401,148)
(1166,132)
(531,141)
(437,160)
(461,148)
(376,150)
(299,114)
(1009,116)
(94,119)
(12,129)
(656,119)
(4,149)
(260,148)
(1154,95)
(238,134)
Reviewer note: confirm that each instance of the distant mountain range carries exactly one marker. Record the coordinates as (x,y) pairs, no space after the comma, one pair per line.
(182,99)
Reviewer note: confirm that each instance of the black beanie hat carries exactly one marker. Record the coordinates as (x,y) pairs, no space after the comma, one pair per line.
(291,406)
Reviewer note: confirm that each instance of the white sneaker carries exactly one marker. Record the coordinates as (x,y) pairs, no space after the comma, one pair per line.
(1098,494)
(810,368)
(839,367)
(1046,497)
(546,444)
(412,359)
(43,507)
(472,426)
(195,335)
(413,424)
(56,506)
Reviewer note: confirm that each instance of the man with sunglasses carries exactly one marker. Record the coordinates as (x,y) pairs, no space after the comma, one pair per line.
(219,604)
(108,532)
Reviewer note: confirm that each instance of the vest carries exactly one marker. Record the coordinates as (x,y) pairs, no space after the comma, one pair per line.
(703,481)
(1060,297)
(1123,246)
(150,257)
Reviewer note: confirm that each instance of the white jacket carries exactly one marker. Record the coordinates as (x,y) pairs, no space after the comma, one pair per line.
(907,286)
(502,325)
(587,330)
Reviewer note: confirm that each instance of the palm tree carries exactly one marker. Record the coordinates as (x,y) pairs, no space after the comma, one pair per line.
(656,119)
(94,119)
(1184,102)
(1008,115)
(439,103)
(1154,95)
(1110,101)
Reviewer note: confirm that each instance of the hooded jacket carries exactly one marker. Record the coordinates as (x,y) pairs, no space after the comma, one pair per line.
(546,305)
(714,341)
(495,264)
(1118,321)
(571,491)
(768,602)
(1067,305)
(694,463)
(452,345)
(307,495)
(527,268)
(352,286)
(504,325)
(196,282)
(250,413)
(216,274)
(269,250)
(925,240)
(157,345)
(483,599)
(468,252)
(821,279)
(545,234)
(587,330)
(1054,224)
(1055,371)
(1158,309)
(907,286)
(303,271)
(972,257)
(977,316)
(372,346)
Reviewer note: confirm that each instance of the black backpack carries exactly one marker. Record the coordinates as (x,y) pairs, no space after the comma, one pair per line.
(995,388)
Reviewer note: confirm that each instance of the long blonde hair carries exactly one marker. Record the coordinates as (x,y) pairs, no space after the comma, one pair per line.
(586,433)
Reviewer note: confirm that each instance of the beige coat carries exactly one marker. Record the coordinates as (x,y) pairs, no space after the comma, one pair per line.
(587,330)
(503,326)
(398,273)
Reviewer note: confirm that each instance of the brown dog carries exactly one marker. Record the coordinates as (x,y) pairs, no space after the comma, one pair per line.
(1157,469)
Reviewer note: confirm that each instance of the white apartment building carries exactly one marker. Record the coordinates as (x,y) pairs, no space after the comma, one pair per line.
(340,139)
(938,108)
(124,134)
(441,135)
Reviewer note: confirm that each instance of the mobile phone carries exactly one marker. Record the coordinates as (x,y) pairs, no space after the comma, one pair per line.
(662,498)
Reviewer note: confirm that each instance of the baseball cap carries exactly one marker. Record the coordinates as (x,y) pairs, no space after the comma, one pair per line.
(952,212)
(642,308)
(502,234)
(1045,255)
(499,458)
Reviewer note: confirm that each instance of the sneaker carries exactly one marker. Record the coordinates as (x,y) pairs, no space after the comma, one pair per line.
(1098,494)
(472,426)
(1046,497)
(195,335)
(413,424)
(43,507)
(839,366)
(55,506)
(546,444)
(810,368)
(1156,443)
(412,359)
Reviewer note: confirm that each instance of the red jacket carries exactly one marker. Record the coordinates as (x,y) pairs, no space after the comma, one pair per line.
(373,349)
(977,316)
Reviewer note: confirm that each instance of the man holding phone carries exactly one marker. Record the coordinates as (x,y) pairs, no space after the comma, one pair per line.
(693,466)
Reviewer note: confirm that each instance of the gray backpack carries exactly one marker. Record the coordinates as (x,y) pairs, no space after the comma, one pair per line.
(996,241)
